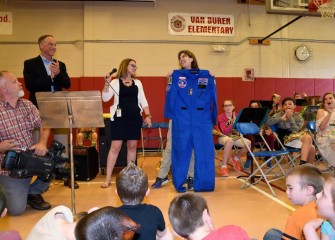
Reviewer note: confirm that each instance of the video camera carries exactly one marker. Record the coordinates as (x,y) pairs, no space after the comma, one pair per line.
(26,164)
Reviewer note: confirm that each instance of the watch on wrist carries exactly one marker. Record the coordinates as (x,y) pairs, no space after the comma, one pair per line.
(148,115)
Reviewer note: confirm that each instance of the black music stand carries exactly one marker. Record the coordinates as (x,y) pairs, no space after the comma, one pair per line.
(265,103)
(301,102)
(251,115)
(68,110)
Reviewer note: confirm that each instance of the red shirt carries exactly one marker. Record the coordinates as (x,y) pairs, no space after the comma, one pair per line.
(229,232)
(225,125)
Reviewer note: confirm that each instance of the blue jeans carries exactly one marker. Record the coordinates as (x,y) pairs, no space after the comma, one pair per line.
(17,190)
(273,234)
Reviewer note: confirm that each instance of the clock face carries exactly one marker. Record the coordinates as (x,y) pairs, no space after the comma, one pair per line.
(302,53)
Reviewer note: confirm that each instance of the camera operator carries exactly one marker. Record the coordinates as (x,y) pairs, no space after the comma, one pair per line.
(18,119)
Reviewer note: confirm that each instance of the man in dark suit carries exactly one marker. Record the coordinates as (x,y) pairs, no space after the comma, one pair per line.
(46,74)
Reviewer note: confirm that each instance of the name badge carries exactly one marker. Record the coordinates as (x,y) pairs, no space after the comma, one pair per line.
(118,112)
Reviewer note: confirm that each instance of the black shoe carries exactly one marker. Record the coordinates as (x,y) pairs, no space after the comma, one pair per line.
(67,182)
(189,182)
(36,201)
(159,182)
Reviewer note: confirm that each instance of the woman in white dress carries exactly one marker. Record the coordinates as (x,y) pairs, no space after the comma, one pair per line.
(325,127)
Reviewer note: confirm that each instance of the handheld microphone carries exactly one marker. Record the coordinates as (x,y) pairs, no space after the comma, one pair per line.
(108,83)
(113,71)
(52,80)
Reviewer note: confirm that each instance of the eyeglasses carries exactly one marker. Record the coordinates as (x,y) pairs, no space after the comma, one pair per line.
(228,105)
(133,65)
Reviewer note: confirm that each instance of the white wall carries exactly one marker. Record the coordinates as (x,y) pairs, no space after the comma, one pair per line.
(93,37)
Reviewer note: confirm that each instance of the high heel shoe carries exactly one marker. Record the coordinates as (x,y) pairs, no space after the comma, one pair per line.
(105,184)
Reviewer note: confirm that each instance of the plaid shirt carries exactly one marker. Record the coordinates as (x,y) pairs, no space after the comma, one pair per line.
(18,124)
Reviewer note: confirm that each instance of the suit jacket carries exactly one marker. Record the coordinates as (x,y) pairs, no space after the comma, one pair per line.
(37,79)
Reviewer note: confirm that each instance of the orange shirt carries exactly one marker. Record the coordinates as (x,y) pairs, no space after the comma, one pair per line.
(296,221)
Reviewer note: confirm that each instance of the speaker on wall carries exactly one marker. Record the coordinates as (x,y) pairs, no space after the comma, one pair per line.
(86,163)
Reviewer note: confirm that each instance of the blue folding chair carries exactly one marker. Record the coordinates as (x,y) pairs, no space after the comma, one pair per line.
(269,155)
(293,153)
(149,135)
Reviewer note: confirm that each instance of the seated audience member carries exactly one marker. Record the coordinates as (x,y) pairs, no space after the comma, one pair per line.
(190,219)
(297,96)
(104,224)
(275,104)
(7,234)
(325,127)
(266,132)
(19,120)
(303,183)
(255,104)
(99,224)
(326,208)
(225,126)
(132,186)
(288,122)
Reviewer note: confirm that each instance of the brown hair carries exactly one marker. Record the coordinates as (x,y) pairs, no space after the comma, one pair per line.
(132,185)
(288,99)
(104,224)
(324,98)
(309,176)
(194,64)
(185,213)
(123,68)
(43,37)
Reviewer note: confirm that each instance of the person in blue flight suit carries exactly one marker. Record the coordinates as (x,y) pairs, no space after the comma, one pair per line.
(191,104)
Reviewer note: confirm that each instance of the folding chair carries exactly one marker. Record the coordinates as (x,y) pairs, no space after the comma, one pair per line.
(163,127)
(277,156)
(147,135)
(311,127)
(291,151)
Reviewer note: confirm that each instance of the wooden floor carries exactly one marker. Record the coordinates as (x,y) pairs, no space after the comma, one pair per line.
(254,209)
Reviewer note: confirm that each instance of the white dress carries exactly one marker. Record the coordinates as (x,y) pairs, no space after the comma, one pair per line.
(326,138)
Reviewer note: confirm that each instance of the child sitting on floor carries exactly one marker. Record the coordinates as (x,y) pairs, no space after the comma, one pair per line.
(190,219)
(132,186)
(326,208)
(303,183)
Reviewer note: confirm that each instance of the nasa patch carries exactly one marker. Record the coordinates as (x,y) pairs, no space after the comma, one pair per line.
(182,83)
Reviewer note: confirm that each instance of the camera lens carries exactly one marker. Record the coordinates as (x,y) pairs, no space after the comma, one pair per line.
(9,160)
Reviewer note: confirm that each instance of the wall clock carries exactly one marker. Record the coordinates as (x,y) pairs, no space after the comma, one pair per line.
(302,53)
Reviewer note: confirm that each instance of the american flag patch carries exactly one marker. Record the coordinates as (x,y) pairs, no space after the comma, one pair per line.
(202,81)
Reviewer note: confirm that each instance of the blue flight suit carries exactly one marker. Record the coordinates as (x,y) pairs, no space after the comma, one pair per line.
(191,104)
